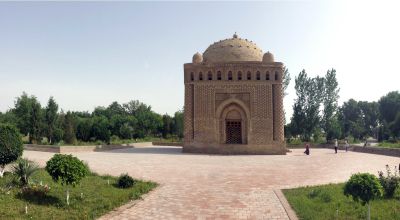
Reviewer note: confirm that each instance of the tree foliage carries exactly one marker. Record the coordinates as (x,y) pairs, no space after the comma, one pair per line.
(36,123)
(391,182)
(306,110)
(51,119)
(330,103)
(363,187)
(67,169)
(285,80)
(22,111)
(69,128)
(100,129)
(351,119)
(10,145)
(389,108)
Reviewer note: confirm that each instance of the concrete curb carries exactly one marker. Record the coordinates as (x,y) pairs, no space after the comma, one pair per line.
(116,211)
(289,211)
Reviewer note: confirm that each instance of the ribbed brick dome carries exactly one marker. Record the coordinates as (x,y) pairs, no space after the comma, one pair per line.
(232,50)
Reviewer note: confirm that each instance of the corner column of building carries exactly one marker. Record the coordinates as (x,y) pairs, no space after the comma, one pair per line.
(188,115)
(278,129)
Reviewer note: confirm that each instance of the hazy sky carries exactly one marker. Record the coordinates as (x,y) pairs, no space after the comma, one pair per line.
(90,54)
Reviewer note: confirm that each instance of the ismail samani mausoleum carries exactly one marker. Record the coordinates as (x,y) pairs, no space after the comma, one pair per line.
(233,100)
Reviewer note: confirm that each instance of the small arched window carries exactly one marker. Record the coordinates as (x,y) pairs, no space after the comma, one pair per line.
(191,76)
(248,75)
(276,76)
(230,75)
(239,75)
(209,75)
(258,76)
(267,75)
(200,76)
(219,75)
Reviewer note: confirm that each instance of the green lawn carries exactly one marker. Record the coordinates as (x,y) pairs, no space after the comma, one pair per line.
(328,202)
(389,144)
(98,198)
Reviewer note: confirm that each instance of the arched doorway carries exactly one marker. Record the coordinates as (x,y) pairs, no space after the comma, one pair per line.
(233,123)
(233,127)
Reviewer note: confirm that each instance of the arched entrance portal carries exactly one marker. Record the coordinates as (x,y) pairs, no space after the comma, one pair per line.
(233,122)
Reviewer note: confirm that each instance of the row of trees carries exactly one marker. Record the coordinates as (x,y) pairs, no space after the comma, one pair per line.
(125,121)
(316,112)
(372,119)
(314,94)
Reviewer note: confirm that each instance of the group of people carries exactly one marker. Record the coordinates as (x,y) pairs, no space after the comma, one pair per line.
(346,146)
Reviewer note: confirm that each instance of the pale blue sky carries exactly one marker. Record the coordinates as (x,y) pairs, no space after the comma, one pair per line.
(90,54)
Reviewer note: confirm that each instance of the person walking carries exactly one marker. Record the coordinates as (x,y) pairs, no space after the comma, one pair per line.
(336,146)
(307,152)
(346,144)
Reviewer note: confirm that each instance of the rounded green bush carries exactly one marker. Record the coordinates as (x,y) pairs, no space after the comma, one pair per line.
(363,187)
(125,181)
(67,169)
(11,145)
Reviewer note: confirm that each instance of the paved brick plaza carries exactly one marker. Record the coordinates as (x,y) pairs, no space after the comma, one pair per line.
(221,187)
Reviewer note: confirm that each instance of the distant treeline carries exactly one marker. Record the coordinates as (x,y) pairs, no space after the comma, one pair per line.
(122,121)
(317,115)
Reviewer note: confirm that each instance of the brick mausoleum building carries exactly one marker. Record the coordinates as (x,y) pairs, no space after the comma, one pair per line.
(233,100)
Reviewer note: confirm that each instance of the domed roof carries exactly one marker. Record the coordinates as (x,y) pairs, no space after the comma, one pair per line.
(231,50)
(268,57)
(197,58)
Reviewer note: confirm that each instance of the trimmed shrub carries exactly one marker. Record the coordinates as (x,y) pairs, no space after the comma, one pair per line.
(67,169)
(125,181)
(363,187)
(10,145)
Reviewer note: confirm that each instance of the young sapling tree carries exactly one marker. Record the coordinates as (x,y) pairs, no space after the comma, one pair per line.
(67,169)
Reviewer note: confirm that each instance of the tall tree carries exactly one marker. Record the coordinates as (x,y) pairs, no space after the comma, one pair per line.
(178,124)
(101,129)
(69,128)
(305,119)
(167,125)
(394,126)
(389,108)
(330,103)
(115,109)
(51,116)
(36,122)
(351,119)
(286,81)
(23,110)
(84,129)
(370,117)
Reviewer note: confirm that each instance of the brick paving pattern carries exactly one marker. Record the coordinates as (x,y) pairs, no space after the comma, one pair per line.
(194,186)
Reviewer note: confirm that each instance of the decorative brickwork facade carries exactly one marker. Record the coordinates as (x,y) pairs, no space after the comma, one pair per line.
(233,100)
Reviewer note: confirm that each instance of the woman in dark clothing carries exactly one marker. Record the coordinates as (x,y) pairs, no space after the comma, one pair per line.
(307,150)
